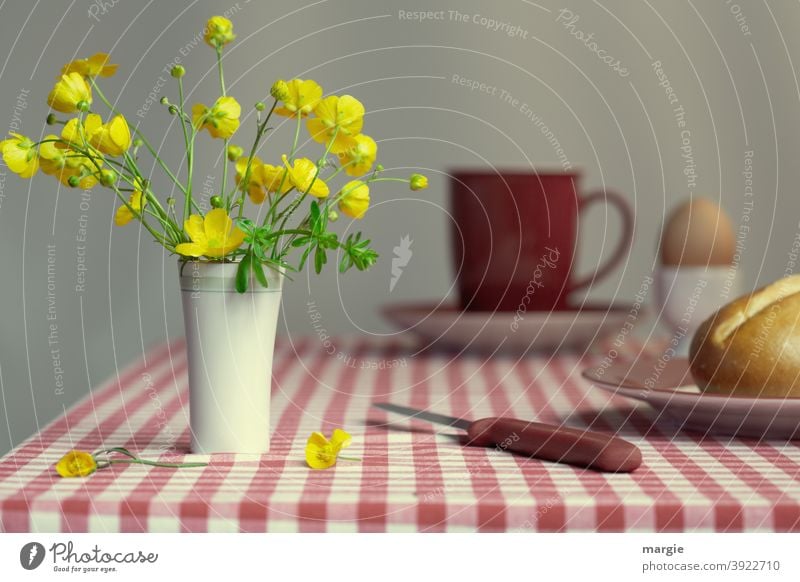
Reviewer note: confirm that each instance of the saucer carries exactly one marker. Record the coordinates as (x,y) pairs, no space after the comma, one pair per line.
(669,388)
(449,327)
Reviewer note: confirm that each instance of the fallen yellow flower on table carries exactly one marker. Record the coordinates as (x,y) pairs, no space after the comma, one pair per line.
(96,65)
(83,463)
(76,464)
(322,453)
(213,236)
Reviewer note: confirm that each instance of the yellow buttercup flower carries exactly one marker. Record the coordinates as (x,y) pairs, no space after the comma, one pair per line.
(20,155)
(273,178)
(303,176)
(358,159)
(255,183)
(322,453)
(94,66)
(221,120)
(76,464)
(342,117)
(218,31)
(418,182)
(124,214)
(69,93)
(213,236)
(300,96)
(354,199)
(65,163)
(112,138)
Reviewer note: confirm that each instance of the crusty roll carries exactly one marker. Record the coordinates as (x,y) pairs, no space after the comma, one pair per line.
(751,346)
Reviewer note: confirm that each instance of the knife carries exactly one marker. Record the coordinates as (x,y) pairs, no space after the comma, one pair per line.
(561,444)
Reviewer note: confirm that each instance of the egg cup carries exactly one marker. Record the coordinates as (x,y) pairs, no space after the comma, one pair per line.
(688,295)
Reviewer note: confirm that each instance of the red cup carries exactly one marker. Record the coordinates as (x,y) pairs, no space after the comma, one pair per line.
(515,235)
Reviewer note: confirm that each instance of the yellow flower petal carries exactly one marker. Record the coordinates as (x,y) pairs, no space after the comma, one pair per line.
(70,90)
(20,155)
(341,439)
(195,228)
(342,117)
(124,214)
(217,224)
(303,96)
(221,120)
(76,464)
(91,67)
(358,159)
(355,199)
(303,174)
(190,249)
(218,31)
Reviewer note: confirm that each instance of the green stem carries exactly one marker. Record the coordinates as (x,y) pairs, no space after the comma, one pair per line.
(141,136)
(349,458)
(260,130)
(296,136)
(219,67)
(157,463)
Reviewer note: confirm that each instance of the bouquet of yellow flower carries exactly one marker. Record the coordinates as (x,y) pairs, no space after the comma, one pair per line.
(295,193)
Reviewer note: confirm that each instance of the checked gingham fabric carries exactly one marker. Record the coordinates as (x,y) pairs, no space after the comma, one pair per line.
(413,476)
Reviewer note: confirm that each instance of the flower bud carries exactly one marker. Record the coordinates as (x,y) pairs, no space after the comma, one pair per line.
(164,100)
(216,202)
(234,152)
(178,71)
(218,32)
(280,90)
(379,168)
(107,177)
(260,106)
(73,181)
(51,119)
(173,110)
(170,201)
(333,216)
(418,182)
(83,106)
(137,143)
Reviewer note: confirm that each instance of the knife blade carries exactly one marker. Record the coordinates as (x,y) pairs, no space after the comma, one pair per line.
(561,444)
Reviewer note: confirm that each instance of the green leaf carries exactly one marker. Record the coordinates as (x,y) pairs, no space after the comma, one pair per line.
(258,269)
(243,273)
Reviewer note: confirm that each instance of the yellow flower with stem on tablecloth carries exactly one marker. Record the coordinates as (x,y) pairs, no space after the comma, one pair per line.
(299,97)
(71,93)
(213,236)
(221,119)
(322,453)
(336,123)
(354,199)
(358,159)
(20,155)
(78,463)
(94,66)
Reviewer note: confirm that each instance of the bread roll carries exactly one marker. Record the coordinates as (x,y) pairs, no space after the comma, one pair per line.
(751,347)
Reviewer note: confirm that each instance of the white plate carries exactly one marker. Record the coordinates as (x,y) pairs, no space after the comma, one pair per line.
(672,391)
(447,326)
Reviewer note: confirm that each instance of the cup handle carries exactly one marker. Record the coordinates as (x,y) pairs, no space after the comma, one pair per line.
(616,200)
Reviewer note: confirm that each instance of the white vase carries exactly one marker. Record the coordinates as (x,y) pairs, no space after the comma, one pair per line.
(230,338)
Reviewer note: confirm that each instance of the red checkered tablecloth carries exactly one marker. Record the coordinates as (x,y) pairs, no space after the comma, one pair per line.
(413,477)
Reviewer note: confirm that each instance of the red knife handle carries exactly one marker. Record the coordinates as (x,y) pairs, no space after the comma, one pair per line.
(562,444)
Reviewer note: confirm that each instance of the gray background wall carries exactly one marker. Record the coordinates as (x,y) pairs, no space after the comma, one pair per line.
(731,64)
